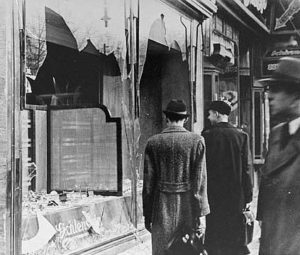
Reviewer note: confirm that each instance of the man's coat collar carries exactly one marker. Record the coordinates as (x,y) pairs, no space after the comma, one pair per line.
(173,129)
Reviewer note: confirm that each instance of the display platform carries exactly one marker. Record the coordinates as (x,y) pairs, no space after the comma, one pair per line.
(77,224)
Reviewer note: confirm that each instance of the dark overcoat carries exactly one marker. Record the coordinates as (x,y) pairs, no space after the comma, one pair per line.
(174,190)
(229,183)
(279,196)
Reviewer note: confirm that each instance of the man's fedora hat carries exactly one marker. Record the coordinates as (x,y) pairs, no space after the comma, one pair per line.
(176,107)
(220,107)
(288,70)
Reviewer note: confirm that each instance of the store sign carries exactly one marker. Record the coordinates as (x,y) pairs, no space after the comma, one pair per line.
(269,66)
(292,52)
(292,9)
(271,59)
(286,15)
(231,69)
(72,228)
(260,5)
(66,229)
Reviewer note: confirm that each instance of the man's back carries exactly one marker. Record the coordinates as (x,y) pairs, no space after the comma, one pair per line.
(174,191)
(228,168)
(174,152)
(229,182)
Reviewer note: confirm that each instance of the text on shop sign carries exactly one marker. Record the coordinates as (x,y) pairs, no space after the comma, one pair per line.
(272,67)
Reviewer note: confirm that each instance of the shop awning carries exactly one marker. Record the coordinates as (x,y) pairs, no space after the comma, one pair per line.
(243,15)
(207,7)
(198,9)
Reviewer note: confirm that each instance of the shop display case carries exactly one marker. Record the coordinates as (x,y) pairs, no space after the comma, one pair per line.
(52,225)
(78,187)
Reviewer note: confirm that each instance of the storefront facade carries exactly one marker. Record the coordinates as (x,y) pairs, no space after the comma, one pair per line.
(84,84)
(235,42)
(284,40)
(284,23)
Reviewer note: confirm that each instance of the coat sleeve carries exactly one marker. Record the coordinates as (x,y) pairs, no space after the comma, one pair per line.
(148,184)
(199,182)
(247,171)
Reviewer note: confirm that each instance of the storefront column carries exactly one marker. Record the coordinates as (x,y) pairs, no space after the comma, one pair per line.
(4,218)
(9,126)
(8,80)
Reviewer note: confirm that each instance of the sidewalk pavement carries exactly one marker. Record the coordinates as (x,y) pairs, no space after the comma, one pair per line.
(144,248)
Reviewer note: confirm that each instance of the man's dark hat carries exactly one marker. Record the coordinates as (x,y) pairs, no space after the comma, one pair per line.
(176,107)
(288,71)
(220,107)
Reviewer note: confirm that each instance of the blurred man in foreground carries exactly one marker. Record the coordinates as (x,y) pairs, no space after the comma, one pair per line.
(279,194)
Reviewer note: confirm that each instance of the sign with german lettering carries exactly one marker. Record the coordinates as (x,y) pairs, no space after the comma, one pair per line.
(287,52)
(74,228)
(269,66)
(271,58)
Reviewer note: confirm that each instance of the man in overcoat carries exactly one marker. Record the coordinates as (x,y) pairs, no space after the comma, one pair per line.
(229,183)
(279,194)
(174,188)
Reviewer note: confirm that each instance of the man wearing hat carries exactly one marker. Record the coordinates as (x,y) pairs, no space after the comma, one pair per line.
(174,189)
(229,183)
(279,193)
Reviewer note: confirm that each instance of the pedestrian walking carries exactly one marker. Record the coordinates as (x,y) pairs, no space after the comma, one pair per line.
(174,189)
(279,193)
(229,183)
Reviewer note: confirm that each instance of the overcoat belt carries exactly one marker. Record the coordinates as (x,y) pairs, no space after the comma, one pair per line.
(170,187)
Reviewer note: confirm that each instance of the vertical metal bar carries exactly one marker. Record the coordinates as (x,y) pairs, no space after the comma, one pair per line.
(119,156)
(189,59)
(137,30)
(192,73)
(22,34)
(132,88)
(251,62)
(12,124)
(253,123)
(238,84)
(49,141)
(262,123)
(32,117)
(199,78)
